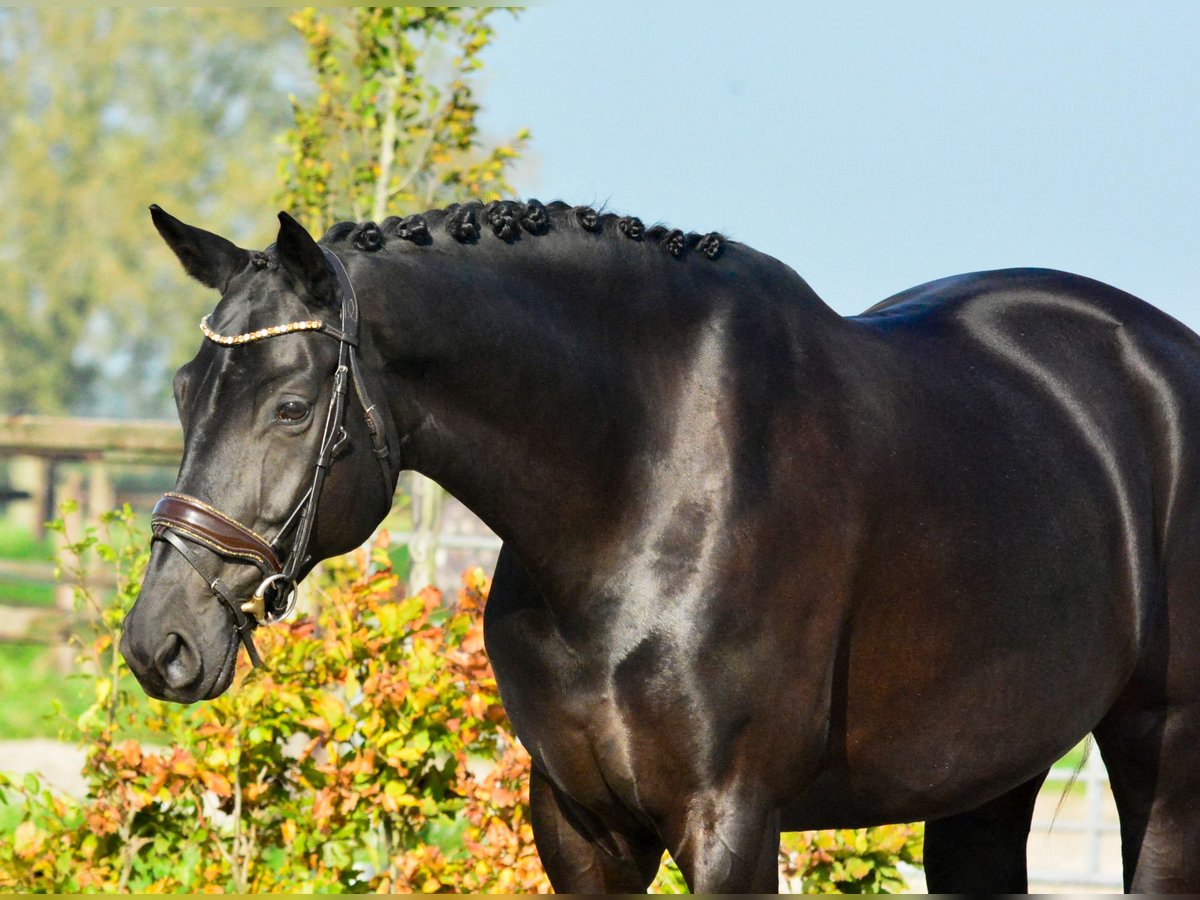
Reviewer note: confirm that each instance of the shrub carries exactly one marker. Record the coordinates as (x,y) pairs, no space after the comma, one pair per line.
(372,755)
(847,861)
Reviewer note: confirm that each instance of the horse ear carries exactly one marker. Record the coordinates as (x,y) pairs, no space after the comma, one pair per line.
(207,257)
(300,256)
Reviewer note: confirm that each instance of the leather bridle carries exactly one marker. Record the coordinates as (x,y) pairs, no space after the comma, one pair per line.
(187,523)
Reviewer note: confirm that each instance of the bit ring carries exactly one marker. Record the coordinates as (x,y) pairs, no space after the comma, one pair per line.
(257,605)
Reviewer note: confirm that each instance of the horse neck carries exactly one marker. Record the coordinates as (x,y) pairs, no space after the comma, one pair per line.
(538,387)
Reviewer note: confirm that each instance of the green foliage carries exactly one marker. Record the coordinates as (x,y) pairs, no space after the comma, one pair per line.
(372,756)
(669,879)
(392,126)
(34,697)
(117,544)
(17,543)
(25,591)
(105,111)
(851,861)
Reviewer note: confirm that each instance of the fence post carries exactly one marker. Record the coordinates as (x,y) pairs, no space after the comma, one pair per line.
(101,497)
(428,502)
(33,475)
(1096,777)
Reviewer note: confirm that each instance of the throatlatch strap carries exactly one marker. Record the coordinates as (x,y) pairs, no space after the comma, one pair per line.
(375,426)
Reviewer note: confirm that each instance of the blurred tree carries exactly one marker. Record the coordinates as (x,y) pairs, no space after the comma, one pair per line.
(392,127)
(392,130)
(107,110)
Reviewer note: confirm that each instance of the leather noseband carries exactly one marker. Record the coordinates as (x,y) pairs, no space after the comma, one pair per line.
(199,522)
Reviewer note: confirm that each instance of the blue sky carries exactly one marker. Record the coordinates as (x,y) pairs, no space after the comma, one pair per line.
(874,146)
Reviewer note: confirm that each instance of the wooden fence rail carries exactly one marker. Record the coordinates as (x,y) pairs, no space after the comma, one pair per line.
(51,459)
(36,445)
(54,437)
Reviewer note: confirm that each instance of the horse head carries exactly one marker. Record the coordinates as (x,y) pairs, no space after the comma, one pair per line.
(268,484)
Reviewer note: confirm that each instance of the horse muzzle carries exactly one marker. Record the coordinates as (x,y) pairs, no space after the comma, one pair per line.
(187,523)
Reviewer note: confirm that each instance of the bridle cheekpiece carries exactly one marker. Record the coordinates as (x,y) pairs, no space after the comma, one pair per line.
(188,523)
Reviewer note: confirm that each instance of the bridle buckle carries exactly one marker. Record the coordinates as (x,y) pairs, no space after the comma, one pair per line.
(257,604)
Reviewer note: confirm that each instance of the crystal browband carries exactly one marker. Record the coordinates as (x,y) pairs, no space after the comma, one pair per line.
(230,340)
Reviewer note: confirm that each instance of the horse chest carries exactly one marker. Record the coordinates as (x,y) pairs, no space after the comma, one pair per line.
(580,717)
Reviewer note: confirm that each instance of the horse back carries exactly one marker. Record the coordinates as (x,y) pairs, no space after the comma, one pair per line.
(1023,446)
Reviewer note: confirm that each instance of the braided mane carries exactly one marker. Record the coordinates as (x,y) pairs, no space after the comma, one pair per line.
(511,220)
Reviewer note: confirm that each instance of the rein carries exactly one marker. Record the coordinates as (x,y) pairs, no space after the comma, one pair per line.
(188,524)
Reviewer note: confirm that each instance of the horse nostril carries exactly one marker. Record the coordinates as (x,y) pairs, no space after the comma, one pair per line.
(177,663)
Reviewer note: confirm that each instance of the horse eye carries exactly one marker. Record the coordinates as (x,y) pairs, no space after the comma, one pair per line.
(291,411)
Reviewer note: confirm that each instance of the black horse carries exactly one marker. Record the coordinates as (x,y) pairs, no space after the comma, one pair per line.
(765,568)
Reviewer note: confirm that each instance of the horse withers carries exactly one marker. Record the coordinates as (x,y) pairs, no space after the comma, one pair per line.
(765,568)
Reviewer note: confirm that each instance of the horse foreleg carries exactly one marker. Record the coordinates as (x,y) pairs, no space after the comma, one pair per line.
(982,851)
(581,855)
(728,844)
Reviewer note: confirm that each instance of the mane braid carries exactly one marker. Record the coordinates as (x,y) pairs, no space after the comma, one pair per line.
(368,237)
(508,220)
(501,217)
(338,231)
(463,223)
